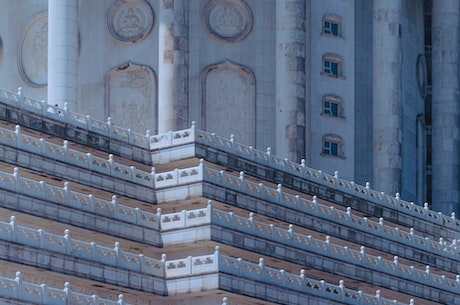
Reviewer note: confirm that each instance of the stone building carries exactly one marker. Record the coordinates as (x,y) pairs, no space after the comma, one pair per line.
(289,130)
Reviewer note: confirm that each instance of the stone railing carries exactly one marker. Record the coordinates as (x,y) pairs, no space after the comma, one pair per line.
(114,257)
(19,289)
(318,176)
(92,163)
(316,209)
(300,283)
(66,116)
(168,268)
(71,156)
(192,135)
(325,248)
(64,196)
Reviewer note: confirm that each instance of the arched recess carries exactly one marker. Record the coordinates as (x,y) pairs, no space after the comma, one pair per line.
(229,102)
(131,97)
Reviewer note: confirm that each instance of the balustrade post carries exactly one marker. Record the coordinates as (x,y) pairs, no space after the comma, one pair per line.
(42,190)
(65,146)
(68,241)
(13,228)
(93,250)
(90,161)
(17,131)
(158,214)
(44,293)
(315,204)
(323,288)
(133,171)
(251,221)
(20,96)
(67,291)
(94,299)
(121,299)
(42,146)
(66,193)
(117,252)
(342,289)
(336,178)
(141,262)
(114,203)
(328,243)
(366,225)
(349,216)
(291,233)
(92,205)
(18,280)
(396,262)
(44,107)
(381,224)
(109,125)
(111,164)
(184,218)
(261,266)
(16,178)
(189,265)
(225,301)
(378,297)
(40,238)
(163,264)
(362,250)
(216,257)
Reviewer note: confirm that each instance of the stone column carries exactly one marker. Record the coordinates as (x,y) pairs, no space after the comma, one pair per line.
(386,97)
(290,79)
(173,65)
(445,106)
(62,52)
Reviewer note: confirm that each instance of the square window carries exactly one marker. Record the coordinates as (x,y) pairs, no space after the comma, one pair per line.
(331,108)
(331,148)
(331,28)
(331,68)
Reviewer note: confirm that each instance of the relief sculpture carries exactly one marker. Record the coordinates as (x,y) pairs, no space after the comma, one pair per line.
(229,97)
(33,56)
(131,97)
(130,20)
(228,20)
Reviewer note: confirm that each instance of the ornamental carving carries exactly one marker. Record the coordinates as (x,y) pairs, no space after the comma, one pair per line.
(227,20)
(131,97)
(228,92)
(33,52)
(130,20)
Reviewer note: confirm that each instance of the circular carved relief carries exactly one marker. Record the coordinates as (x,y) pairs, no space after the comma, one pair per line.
(228,20)
(130,20)
(422,75)
(33,52)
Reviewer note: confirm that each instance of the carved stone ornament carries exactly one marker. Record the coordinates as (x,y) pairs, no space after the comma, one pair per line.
(33,52)
(130,20)
(227,20)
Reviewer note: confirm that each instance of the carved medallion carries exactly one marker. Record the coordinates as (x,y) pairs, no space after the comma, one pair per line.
(228,20)
(130,20)
(33,52)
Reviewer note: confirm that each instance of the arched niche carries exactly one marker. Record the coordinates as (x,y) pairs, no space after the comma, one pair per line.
(228,101)
(131,97)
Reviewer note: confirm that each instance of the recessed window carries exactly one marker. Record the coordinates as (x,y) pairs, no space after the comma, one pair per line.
(332,25)
(332,146)
(332,106)
(332,66)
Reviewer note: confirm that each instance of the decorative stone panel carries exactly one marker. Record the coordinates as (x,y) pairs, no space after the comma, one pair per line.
(227,20)
(33,52)
(131,92)
(130,20)
(228,103)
